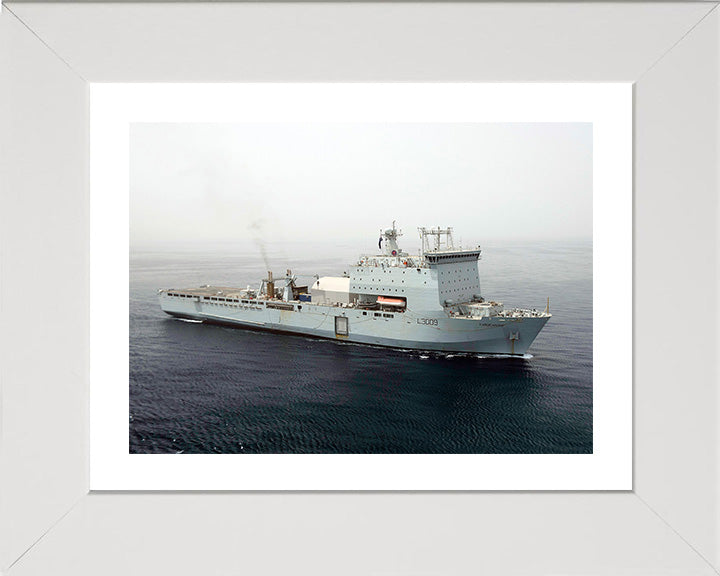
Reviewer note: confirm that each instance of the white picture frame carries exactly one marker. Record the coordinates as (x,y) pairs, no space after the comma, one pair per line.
(668,524)
(607,107)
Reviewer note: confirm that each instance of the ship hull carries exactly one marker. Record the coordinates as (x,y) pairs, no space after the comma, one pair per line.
(408,329)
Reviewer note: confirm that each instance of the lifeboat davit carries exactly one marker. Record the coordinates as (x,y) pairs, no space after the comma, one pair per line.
(385,301)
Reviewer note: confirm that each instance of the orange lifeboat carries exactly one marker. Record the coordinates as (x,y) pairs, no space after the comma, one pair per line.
(385,301)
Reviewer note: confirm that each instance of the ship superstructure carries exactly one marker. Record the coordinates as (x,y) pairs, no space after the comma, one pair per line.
(428,301)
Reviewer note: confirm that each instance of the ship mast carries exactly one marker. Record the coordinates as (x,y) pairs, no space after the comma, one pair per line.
(441,238)
(390,240)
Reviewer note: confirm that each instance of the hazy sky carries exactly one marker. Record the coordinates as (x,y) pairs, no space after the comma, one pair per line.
(317,182)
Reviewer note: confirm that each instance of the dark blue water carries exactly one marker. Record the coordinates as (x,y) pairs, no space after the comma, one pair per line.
(196,388)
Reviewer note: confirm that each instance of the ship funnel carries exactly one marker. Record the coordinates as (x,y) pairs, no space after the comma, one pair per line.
(270,286)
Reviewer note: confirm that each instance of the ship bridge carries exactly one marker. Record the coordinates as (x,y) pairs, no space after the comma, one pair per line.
(452,256)
(438,246)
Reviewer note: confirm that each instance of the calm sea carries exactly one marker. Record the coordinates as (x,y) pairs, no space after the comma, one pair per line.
(196,388)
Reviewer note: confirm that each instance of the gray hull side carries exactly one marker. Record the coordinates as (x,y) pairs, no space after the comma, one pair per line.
(486,335)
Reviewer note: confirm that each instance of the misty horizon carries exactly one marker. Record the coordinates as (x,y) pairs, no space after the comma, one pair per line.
(364,243)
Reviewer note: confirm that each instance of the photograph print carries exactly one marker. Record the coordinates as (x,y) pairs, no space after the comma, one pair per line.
(361,288)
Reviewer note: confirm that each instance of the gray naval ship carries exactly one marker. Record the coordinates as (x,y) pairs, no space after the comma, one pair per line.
(431,302)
